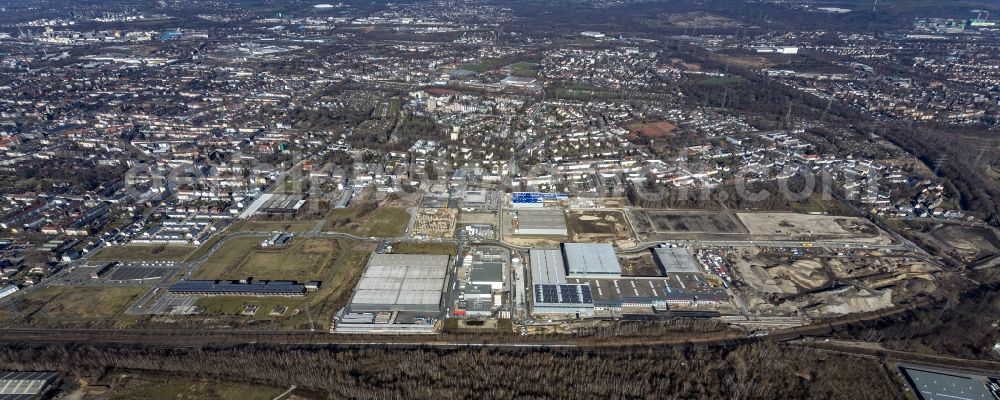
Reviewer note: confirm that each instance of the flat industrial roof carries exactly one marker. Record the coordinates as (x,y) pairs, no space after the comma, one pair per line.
(541,219)
(399,282)
(569,295)
(475,196)
(547,266)
(591,259)
(944,385)
(676,287)
(486,272)
(676,260)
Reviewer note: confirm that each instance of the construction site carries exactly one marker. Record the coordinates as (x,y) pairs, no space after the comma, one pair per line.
(817,283)
(600,226)
(434,223)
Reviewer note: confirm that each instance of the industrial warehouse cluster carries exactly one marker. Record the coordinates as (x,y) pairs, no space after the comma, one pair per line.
(580,278)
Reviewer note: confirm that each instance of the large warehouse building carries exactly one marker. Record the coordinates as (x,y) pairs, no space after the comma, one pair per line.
(541,222)
(401,282)
(397,293)
(676,260)
(551,294)
(591,260)
(581,278)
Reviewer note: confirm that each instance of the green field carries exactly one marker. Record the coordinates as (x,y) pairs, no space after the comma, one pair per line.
(383,222)
(205,247)
(143,253)
(318,307)
(78,304)
(424,248)
(524,69)
(231,253)
(482,66)
(303,259)
(271,226)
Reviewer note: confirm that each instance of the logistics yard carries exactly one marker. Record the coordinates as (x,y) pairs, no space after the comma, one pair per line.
(586,280)
(390,267)
(397,293)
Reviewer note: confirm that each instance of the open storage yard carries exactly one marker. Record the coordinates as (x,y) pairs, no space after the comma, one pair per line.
(679,224)
(792,226)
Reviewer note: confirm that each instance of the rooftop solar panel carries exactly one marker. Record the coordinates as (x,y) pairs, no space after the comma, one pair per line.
(229,287)
(563,294)
(569,294)
(549,294)
(585,294)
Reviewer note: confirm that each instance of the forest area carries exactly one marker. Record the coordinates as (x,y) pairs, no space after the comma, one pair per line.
(963,325)
(758,371)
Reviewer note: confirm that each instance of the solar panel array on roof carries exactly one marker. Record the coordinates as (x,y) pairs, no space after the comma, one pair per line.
(562,294)
(263,288)
(547,294)
(677,288)
(569,294)
(585,295)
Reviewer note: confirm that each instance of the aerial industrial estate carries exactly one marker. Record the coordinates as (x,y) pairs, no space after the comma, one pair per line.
(669,191)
